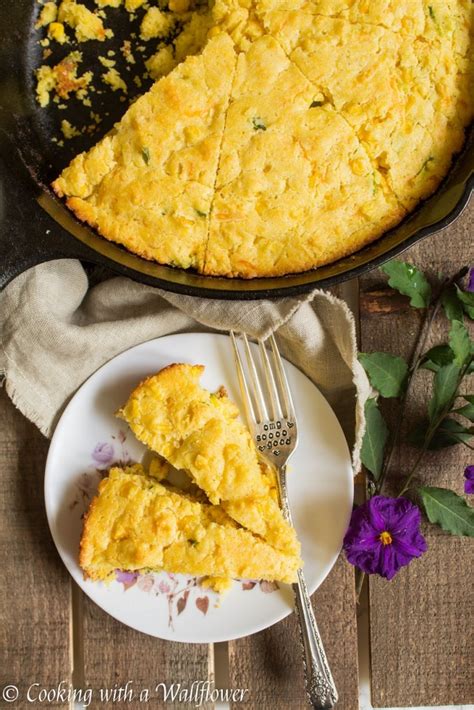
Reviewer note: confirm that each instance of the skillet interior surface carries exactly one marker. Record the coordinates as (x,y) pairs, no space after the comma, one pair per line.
(34,132)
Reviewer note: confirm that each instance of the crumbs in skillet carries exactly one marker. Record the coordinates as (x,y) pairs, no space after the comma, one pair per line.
(161,35)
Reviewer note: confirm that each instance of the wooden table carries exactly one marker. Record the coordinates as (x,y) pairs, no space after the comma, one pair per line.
(420,623)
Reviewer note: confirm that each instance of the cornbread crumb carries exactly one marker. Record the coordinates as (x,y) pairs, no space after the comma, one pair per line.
(132,5)
(180,6)
(126,50)
(108,63)
(48,14)
(221,585)
(87,25)
(108,3)
(56,31)
(62,78)
(161,63)
(156,24)
(68,130)
(113,79)
(193,36)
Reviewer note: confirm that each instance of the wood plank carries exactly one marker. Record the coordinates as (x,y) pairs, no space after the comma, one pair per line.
(114,654)
(421,639)
(269,663)
(35,605)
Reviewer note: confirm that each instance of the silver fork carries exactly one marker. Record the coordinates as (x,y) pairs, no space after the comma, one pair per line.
(273,422)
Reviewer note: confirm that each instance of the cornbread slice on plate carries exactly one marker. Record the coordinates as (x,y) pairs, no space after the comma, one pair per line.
(136,523)
(201,433)
(149,183)
(294,188)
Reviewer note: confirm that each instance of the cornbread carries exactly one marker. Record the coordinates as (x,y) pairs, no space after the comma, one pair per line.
(86,24)
(149,184)
(339,116)
(48,14)
(274,154)
(136,523)
(200,432)
(408,107)
(63,79)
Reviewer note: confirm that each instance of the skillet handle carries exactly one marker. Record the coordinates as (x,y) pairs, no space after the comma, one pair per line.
(28,235)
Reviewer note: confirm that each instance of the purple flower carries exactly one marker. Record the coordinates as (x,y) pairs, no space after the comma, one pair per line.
(103,453)
(470,282)
(384,535)
(469,482)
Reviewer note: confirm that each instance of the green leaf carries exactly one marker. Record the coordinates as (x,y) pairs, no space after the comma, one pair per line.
(375,438)
(445,384)
(146,155)
(460,343)
(438,356)
(387,373)
(449,433)
(452,305)
(466,411)
(467,300)
(409,281)
(448,510)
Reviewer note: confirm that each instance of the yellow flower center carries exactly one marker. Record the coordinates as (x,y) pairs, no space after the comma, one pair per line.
(385,538)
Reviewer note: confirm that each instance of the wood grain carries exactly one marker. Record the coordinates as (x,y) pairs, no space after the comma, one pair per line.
(269,664)
(114,654)
(35,605)
(421,635)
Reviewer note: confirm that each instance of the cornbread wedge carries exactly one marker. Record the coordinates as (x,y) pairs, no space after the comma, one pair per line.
(408,107)
(149,183)
(136,523)
(200,433)
(290,173)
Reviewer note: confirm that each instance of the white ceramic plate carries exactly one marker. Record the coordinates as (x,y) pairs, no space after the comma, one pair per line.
(89,438)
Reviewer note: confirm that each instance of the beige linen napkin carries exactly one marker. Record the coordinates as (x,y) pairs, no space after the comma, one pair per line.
(57,330)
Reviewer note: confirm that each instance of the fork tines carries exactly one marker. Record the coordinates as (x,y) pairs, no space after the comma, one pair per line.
(267,396)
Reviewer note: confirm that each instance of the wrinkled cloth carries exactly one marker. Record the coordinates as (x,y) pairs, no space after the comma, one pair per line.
(58,328)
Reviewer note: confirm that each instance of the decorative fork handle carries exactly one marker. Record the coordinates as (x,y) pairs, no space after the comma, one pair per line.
(319,682)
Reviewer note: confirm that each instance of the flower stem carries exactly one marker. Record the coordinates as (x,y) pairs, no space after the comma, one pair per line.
(432,429)
(414,365)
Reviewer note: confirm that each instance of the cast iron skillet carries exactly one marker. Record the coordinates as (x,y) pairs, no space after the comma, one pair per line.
(36,227)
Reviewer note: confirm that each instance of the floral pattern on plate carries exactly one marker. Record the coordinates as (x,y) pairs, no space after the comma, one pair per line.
(177,588)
